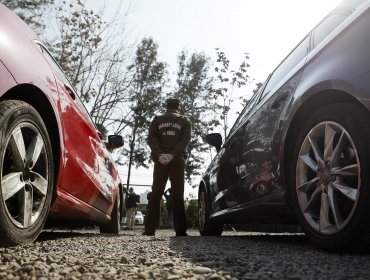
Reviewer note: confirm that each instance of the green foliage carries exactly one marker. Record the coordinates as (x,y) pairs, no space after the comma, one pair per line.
(145,99)
(226,81)
(125,99)
(244,100)
(192,88)
(191,210)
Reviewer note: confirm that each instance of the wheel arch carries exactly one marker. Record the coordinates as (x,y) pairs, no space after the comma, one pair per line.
(37,99)
(308,107)
(203,184)
(122,198)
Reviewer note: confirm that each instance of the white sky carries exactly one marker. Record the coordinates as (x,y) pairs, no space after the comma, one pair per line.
(266,29)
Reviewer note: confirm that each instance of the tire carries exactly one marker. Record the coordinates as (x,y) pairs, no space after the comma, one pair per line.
(207,226)
(114,225)
(27,173)
(329,178)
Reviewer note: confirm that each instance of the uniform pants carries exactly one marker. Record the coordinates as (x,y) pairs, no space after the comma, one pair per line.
(131,218)
(174,170)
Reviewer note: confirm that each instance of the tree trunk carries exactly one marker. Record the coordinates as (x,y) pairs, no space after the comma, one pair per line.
(132,147)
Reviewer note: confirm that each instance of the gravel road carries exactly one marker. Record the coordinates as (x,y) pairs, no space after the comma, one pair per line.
(235,255)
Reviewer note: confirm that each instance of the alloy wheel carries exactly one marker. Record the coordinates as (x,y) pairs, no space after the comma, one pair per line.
(328,178)
(202,210)
(24,175)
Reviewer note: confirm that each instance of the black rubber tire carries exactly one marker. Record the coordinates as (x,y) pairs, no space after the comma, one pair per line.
(354,236)
(114,225)
(12,114)
(207,226)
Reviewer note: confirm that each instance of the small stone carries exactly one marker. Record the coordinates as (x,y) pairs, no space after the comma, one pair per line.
(143,275)
(124,259)
(82,269)
(173,277)
(72,260)
(142,260)
(176,271)
(202,270)
(27,268)
(215,277)
(168,264)
(65,271)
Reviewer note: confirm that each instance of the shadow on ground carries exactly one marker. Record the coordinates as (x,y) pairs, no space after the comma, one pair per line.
(63,234)
(256,255)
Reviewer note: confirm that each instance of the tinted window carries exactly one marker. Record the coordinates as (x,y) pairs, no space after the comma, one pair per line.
(327,26)
(244,113)
(352,4)
(287,65)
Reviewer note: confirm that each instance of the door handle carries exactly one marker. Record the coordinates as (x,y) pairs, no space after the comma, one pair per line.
(233,144)
(279,100)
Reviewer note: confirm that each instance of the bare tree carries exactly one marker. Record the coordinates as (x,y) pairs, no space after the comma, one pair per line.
(33,12)
(80,37)
(95,56)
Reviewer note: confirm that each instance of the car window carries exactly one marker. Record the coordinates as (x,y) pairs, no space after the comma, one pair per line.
(327,26)
(248,107)
(55,65)
(297,55)
(350,4)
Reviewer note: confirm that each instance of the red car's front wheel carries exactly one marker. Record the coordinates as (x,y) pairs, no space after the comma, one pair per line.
(26,173)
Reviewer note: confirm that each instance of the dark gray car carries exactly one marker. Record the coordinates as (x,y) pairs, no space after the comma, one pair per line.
(299,151)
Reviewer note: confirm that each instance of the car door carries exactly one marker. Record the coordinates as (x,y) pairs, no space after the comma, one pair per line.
(224,172)
(260,138)
(88,171)
(248,160)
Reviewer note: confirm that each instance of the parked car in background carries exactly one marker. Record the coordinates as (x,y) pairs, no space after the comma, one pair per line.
(139,218)
(54,163)
(299,152)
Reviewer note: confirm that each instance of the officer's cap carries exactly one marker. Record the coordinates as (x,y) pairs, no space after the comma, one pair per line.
(172,103)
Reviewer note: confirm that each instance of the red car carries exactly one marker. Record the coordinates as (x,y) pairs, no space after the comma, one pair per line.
(54,163)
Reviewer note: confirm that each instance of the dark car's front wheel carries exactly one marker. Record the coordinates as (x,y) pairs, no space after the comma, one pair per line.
(26,178)
(329,182)
(206,225)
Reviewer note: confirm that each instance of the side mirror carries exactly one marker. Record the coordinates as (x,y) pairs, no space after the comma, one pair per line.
(114,142)
(214,139)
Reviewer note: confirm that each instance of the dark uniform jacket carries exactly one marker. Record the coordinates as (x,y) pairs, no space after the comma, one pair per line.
(169,134)
(132,201)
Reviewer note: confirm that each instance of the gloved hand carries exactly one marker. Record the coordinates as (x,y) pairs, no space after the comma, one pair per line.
(169,157)
(164,159)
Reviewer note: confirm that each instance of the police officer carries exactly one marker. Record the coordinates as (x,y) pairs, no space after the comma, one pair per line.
(169,135)
(132,202)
